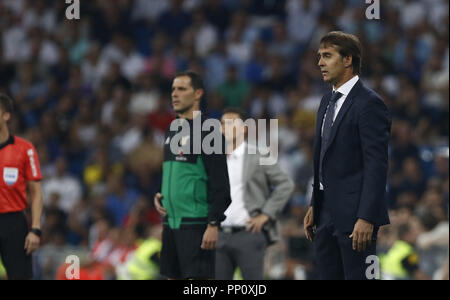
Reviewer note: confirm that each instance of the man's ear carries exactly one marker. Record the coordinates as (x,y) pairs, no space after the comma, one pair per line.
(6,116)
(348,61)
(199,94)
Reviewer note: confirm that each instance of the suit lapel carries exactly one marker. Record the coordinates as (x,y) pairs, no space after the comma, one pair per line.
(347,104)
(321,114)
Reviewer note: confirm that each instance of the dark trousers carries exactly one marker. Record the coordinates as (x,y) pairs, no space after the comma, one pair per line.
(241,249)
(181,254)
(13,232)
(335,257)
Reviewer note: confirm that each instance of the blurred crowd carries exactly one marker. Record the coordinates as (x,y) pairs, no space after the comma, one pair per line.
(93,96)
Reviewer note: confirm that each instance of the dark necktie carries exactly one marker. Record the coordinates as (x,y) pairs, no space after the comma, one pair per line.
(328,123)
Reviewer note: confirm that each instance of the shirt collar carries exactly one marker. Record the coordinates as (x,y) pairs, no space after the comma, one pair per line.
(10,140)
(347,87)
(239,151)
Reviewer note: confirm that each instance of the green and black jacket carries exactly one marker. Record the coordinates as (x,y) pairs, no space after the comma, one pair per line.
(195,187)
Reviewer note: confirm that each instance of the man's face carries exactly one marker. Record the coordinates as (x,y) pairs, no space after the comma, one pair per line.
(332,65)
(233,127)
(183,94)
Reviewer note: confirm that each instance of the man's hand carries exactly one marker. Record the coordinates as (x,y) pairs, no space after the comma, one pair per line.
(361,235)
(31,243)
(210,238)
(162,211)
(256,224)
(308,223)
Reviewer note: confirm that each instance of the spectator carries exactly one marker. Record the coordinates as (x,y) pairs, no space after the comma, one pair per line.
(281,45)
(240,36)
(145,100)
(402,260)
(234,91)
(302,19)
(120,199)
(174,20)
(160,62)
(65,185)
(217,14)
(216,64)
(256,69)
(93,68)
(205,34)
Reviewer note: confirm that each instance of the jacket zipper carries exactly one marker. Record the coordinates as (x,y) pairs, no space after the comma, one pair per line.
(170,194)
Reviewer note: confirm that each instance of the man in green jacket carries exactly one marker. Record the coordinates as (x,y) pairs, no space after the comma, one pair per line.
(195,188)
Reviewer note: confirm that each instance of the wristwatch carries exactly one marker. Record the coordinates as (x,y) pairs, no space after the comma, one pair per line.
(213,223)
(36,231)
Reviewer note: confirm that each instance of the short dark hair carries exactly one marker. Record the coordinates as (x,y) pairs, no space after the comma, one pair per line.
(196,79)
(6,103)
(348,45)
(236,110)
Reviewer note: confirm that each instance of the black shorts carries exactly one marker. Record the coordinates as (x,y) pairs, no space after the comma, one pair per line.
(13,232)
(181,255)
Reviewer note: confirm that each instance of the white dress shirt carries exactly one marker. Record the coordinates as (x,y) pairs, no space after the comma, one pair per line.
(344,90)
(236,214)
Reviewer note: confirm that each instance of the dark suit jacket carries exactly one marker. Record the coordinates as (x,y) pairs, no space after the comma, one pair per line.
(355,163)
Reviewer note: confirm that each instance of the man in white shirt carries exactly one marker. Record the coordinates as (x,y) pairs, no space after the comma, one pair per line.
(251,219)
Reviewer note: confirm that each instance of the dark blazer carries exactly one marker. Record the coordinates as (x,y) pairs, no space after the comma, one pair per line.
(355,163)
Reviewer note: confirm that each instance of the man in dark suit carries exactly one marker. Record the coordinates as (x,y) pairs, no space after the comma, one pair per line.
(350,164)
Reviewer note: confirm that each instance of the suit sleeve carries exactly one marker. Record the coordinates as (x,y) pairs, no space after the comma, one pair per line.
(317,145)
(315,169)
(315,183)
(374,130)
(283,186)
(218,183)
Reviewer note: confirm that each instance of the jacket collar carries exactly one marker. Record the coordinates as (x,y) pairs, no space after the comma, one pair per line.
(347,87)
(345,107)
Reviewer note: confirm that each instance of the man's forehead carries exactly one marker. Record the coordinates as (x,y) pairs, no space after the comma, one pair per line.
(327,48)
(182,81)
(230,116)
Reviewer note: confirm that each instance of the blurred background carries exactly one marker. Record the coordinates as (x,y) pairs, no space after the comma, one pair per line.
(93,96)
